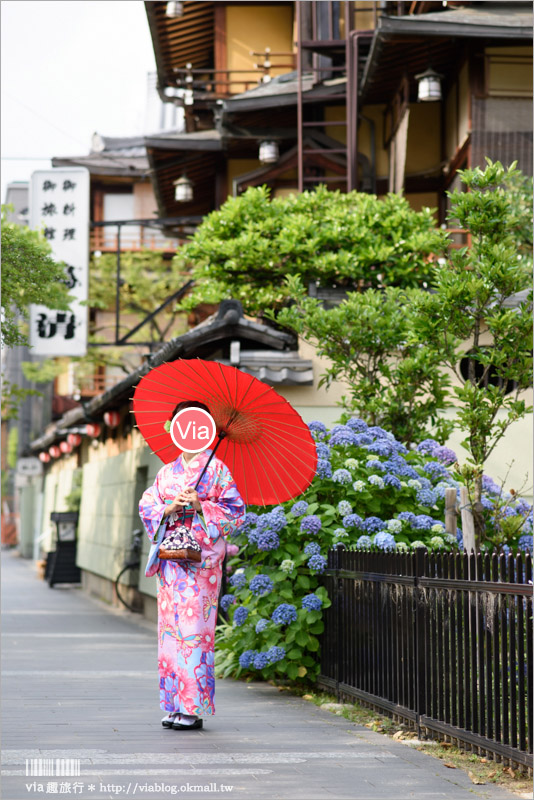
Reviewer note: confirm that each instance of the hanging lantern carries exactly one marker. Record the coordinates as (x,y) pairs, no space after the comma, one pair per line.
(183,190)
(269,152)
(74,439)
(93,429)
(44,457)
(54,451)
(174,10)
(112,418)
(428,86)
(65,447)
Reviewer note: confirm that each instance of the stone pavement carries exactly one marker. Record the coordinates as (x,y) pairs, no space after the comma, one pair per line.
(80,682)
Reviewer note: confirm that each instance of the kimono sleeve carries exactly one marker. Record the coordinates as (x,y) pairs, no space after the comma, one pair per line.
(224,509)
(151,507)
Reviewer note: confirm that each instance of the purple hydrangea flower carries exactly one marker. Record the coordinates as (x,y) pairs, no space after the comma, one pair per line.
(240,615)
(427,446)
(260,585)
(392,480)
(312,549)
(384,539)
(342,476)
(372,524)
(238,581)
(525,542)
(324,468)
(445,455)
(246,659)
(311,602)
(377,432)
(436,470)
(352,521)
(284,614)
(299,508)
(317,563)
(489,485)
(356,424)
(226,601)
(311,524)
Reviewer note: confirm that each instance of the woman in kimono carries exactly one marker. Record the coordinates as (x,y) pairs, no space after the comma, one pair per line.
(187,591)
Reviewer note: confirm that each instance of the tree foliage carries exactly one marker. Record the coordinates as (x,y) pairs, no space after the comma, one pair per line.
(394,379)
(246,248)
(468,312)
(29,275)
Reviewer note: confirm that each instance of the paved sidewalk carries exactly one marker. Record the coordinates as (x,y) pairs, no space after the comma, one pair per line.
(80,681)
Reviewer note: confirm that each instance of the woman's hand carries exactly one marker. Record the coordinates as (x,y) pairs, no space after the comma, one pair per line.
(176,505)
(190,497)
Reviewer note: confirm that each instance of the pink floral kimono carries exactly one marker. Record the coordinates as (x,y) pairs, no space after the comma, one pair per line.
(188,591)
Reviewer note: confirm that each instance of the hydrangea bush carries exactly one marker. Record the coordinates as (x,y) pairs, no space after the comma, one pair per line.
(370,491)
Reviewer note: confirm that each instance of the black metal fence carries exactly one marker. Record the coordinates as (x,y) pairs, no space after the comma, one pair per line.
(441,640)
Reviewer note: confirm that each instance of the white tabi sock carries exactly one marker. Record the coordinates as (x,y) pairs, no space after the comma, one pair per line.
(185,719)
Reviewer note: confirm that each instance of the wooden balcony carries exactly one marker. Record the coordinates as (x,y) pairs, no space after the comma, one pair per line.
(132,238)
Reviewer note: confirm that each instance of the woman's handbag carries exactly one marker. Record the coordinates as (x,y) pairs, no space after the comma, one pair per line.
(180,545)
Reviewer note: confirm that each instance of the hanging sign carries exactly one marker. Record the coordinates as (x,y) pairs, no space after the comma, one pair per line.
(59,206)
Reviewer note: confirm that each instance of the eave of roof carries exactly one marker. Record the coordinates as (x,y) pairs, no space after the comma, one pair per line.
(209,140)
(99,164)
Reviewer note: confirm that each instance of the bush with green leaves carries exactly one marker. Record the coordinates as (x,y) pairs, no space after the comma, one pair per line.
(370,492)
(245,249)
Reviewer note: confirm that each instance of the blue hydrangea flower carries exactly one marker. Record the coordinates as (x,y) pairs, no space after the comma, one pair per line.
(523,507)
(426,497)
(394,525)
(261,625)
(415,483)
(372,525)
(376,480)
(317,429)
(238,581)
(423,522)
(317,563)
(311,602)
(436,470)
(375,464)
(364,542)
(356,424)
(312,549)
(377,432)
(382,447)
(392,480)
(285,613)
(489,485)
(342,476)
(323,451)
(324,468)
(311,524)
(250,520)
(525,542)
(427,446)
(260,585)
(486,502)
(344,508)
(340,533)
(265,540)
(246,659)
(445,455)
(240,615)
(226,601)
(261,660)
(352,521)
(275,654)
(342,437)
(407,516)
(358,486)
(299,508)
(362,439)
(384,539)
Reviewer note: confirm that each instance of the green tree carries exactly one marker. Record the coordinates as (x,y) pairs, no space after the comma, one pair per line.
(29,275)
(246,248)
(394,379)
(468,312)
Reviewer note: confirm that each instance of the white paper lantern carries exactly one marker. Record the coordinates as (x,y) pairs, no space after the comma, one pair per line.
(269,152)
(428,86)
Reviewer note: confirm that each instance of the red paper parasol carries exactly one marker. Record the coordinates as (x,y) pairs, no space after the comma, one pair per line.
(263,441)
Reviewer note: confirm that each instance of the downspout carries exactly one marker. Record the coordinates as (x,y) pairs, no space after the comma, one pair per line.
(371,124)
(352,134)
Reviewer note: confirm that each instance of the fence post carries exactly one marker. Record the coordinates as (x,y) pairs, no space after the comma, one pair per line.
(335,553)
(450,511)
(420,639)
(468,524)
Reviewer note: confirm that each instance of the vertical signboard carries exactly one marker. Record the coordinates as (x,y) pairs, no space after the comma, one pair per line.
(59,205)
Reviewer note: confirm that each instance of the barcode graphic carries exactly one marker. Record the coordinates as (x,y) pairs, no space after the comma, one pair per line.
(52,766)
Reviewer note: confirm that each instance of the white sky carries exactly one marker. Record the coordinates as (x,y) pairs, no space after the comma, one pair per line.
(69,68)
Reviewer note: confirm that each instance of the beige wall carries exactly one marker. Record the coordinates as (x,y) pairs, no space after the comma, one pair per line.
(253,27)
(509,71)
(423,150)
(236,167)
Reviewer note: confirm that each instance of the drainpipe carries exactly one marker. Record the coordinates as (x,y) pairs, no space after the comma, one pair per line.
(352,132)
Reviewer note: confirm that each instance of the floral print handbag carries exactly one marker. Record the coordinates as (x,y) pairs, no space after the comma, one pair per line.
(179,544)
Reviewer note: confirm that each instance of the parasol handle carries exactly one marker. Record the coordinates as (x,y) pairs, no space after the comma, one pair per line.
(221,436)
